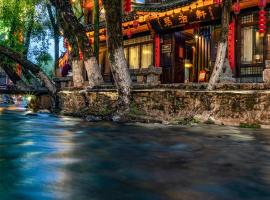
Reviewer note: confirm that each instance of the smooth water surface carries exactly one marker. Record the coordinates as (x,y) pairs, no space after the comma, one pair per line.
(45,157)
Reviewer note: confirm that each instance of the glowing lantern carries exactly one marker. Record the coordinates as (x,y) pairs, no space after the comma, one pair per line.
(217,2)
(261,4)
(136,24)
(262,21)
(236,7)
(81,55)
(129,33)
(127,6)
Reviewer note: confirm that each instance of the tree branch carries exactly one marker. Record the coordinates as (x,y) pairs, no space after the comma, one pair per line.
(28,65)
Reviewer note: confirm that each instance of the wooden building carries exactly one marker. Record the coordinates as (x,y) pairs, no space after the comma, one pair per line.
(180,36)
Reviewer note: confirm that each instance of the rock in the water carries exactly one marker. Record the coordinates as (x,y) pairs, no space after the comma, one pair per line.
(30,113)
(44,111)
(92,118)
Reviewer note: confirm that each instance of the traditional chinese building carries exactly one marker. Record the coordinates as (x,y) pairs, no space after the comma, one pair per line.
(180,37)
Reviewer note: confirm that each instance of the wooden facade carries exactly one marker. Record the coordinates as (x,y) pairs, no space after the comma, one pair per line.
(181,38)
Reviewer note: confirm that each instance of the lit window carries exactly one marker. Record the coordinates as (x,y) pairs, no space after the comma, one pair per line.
(251,46)
(147,55)
(126,53)
(134,54)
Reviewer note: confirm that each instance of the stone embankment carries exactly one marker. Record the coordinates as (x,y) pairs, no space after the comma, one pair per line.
(245,105)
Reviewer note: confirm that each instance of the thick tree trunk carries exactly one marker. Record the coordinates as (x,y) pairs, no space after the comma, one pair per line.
(27,38)
(96,29)
(76,34)
(222,45)
(56,52)
(117,59)
(77,66)
(56,32)
(26,73)
(93,72)
(18,58)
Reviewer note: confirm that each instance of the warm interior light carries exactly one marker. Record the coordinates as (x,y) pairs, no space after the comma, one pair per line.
(188,63)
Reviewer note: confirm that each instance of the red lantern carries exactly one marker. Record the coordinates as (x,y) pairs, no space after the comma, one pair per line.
(262,21)
(236,7)
(129,33)
(127,6)
(217,2)
(136,24)
(81,55)
(261,3)
(91,41)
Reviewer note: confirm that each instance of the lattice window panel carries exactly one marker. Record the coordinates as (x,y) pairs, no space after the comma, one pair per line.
(247,19)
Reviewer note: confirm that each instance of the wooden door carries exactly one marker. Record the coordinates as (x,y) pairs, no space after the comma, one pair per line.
(166,54)
(178,58)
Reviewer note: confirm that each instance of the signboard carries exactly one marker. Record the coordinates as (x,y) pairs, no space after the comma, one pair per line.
(166,48)
(201,14)
(202,76)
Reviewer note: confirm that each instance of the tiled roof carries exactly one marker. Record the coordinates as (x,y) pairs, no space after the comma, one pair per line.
(130,17)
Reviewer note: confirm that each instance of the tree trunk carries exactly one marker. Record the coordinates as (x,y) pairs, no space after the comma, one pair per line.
(28,65)
(77,73)
(27,39)
(222,45)
(76,34)
(117,59)
(56,33)
(56,53)
(26,73)
(93,72)
(96,29)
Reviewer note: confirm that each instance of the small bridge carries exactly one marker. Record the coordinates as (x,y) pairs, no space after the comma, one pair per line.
(7,88)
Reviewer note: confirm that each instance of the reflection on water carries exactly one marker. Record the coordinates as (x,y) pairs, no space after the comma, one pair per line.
(45,157)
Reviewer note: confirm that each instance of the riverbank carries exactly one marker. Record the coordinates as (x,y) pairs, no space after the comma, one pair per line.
(245,105)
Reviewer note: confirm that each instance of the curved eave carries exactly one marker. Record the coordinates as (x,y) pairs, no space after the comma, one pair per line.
(130,17)
(161,7)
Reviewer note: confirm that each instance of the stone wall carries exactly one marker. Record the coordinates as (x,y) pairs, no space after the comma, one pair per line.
(229,106)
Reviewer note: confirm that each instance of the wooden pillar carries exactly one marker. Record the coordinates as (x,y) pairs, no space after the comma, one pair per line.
(203,52)
(157,51)
(199,54)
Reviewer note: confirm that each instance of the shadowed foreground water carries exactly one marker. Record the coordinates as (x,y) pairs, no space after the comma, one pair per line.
(44,157)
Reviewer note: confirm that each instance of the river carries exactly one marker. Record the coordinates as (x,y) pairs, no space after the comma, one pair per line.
(58,158)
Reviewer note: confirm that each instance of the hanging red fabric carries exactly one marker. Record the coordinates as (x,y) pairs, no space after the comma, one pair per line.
(231,44)
(157,51)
